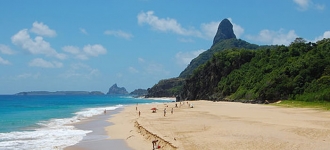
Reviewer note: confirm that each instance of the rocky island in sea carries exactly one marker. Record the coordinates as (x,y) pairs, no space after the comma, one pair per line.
(115,90)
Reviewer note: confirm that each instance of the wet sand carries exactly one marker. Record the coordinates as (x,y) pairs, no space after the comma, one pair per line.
(98,139)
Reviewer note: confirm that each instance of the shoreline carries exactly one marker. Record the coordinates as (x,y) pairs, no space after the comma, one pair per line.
(98,138)
(221,125)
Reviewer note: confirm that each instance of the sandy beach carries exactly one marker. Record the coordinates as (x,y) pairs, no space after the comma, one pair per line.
(221,125)
(98,138)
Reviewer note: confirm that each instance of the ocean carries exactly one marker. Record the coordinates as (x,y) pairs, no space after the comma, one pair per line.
(43,122)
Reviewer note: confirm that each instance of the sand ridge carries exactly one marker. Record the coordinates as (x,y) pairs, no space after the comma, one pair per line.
(222,125)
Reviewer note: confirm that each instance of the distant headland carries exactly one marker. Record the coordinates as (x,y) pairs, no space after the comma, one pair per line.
(61,93)
(113,90)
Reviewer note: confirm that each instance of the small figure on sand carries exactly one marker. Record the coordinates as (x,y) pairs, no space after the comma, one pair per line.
(154,144)
(176,105)
(172,111)
(105,111)
(164,112)
(139,113)
(191,105)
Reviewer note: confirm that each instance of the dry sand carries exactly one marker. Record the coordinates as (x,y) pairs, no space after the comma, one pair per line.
(222,125)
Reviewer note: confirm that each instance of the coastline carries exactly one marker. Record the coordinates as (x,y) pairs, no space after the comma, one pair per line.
(221,125)
(98,138)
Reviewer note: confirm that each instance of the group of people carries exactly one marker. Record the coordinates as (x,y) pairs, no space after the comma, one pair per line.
(165,111)
(176,106)
(154,142)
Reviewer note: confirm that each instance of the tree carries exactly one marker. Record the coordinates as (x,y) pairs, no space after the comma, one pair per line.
(299,40)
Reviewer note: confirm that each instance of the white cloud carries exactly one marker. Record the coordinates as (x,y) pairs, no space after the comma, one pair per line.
(28,75)
(6,50)
(164,24)
(155,68)
(184,40)
(88,50)
(133,70)
(82,57)
(81,70)
(141,60)
(306,4)
(152,68)
(4,62)
(71,49)
(76,52)
(238,30)
(42,29)
(82,30)
(326,34)
(39,62)
(274,37)
(94,50)
(207,30)
(35,46)
(302,3)
(184,58)
(119,33)
(210,29)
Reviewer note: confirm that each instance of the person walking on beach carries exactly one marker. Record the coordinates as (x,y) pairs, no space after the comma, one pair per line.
(172,110)
(139,113)
(164,112)
(154,144)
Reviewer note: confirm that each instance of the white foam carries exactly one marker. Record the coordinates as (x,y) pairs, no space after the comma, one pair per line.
(54,134)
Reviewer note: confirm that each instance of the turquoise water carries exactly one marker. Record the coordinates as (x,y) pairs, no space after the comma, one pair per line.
(41,122)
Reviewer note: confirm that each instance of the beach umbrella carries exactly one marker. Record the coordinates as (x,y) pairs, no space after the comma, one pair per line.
(154,109)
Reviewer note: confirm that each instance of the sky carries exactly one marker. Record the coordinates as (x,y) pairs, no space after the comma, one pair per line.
(89,45)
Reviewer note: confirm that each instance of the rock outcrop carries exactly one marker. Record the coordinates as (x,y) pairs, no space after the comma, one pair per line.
(225,31)
(224,39)
(115,90)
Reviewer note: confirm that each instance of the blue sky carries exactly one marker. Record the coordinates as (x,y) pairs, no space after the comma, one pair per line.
(90,45)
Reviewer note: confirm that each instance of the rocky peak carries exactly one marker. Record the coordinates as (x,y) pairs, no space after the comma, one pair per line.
(225,31)
(114,89)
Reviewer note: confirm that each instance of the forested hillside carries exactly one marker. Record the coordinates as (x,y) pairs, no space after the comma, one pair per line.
(237,70)
(299,71)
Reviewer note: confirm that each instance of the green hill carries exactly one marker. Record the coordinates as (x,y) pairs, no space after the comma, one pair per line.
(224,39)
(237,70)
(299,71)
